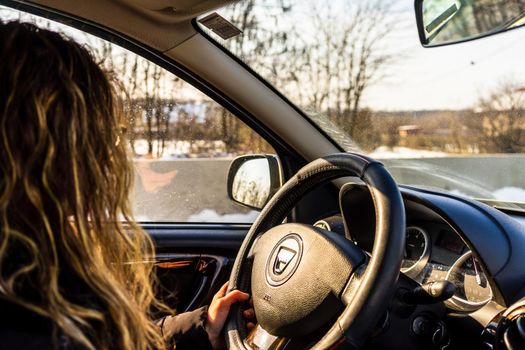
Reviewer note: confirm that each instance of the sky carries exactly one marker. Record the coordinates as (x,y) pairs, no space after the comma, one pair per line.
(449,77)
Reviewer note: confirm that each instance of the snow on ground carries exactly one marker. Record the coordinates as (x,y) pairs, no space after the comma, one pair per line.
(384,152)
(510,194)
(505,194)
(210,215)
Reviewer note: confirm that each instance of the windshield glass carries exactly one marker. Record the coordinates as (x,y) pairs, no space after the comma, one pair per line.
(450,117)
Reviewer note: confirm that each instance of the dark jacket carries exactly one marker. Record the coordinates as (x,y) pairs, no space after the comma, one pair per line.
(22,329)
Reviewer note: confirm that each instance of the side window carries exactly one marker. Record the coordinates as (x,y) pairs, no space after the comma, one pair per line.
(181,142)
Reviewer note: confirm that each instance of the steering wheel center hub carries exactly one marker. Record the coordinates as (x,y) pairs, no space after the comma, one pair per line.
(298,273)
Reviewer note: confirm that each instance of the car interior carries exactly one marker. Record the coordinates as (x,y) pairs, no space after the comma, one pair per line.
(340,255)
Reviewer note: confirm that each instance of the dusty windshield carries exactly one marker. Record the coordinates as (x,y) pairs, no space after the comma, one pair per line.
(451,118)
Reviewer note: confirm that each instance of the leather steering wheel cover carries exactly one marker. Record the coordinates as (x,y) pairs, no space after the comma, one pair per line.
(370,299)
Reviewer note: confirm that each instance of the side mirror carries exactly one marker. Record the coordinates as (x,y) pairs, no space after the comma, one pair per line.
(443,22)
(253,180)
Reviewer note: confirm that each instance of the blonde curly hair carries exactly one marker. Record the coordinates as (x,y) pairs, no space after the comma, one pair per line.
(67,237)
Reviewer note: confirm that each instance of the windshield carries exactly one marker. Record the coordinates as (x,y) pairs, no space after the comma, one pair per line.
(450,118)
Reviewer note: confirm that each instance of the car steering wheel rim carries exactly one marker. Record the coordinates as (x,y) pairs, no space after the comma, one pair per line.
(365,292)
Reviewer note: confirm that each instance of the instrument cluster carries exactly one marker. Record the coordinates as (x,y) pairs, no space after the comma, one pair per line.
(434,252)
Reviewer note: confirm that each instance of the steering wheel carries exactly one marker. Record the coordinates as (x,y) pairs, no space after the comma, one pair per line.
(304,279)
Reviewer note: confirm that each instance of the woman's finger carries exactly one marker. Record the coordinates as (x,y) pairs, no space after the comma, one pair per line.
(233,297)
(221,292)
(249,313)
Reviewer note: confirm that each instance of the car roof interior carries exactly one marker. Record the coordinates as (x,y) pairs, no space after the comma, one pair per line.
(160,24)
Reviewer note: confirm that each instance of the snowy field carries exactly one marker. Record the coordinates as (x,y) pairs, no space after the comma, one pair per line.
(510,194)
(385,152)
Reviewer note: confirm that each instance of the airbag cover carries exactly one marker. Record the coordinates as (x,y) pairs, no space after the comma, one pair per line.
(298,274)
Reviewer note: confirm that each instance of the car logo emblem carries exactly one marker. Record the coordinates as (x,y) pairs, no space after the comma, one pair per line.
(284,257)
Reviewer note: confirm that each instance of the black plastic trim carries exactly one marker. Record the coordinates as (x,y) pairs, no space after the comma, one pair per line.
(201,236)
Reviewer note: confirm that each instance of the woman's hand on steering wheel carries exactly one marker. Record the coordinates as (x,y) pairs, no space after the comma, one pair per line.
(218,312)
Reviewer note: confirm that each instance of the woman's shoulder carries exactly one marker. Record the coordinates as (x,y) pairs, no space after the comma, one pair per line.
(21,328)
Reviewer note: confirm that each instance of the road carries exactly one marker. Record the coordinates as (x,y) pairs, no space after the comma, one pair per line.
(195,189)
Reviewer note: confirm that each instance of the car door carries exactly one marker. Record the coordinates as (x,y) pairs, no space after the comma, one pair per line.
(181,143)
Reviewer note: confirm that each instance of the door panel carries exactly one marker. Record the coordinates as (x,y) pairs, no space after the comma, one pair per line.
(199,237)
(194,260)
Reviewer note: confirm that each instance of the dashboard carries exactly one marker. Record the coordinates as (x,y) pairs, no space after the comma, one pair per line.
(435,252)
(475,247)
(451,240)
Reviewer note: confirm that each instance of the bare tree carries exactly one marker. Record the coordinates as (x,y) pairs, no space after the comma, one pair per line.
(325,58)
(346,59)
(255,46)
(500,119)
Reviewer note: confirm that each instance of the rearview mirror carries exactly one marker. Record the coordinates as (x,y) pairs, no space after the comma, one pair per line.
(253,180)
(444,22)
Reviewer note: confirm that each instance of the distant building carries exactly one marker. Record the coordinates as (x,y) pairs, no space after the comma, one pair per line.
(408,130)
